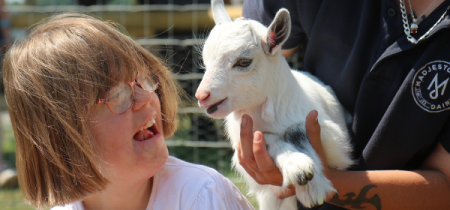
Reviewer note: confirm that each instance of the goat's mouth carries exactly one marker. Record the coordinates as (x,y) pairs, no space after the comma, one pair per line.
(214,107)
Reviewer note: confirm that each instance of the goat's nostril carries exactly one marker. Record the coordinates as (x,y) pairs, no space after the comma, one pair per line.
(202,95)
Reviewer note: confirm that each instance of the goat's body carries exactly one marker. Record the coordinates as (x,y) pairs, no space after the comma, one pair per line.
(294,96)
(246,74)
(298,93)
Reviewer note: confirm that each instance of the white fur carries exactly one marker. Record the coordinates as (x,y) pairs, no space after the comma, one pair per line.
(276,98)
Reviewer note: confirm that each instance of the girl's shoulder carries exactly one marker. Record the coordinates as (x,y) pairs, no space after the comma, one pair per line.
(71,206)
(183,185)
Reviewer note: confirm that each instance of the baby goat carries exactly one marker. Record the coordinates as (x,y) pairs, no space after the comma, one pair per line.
(246,74)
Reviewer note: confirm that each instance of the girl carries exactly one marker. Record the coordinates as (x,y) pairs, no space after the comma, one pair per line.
(90,110)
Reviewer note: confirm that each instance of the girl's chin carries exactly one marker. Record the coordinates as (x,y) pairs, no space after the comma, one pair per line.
(152,147)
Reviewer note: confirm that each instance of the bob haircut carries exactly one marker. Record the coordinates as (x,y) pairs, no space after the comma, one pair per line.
(65,64)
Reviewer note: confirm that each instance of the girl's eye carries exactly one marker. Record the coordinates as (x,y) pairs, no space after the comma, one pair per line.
(243,63)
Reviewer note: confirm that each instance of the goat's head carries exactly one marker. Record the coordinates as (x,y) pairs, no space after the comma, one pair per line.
(240,57)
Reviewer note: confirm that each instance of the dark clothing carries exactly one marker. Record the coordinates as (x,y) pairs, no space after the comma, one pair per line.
(396,91)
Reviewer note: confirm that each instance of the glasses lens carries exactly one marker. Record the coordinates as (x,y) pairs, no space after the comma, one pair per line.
(120,98)
(148,82)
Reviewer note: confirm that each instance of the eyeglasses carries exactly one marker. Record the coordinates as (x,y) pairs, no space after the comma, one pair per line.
(120,98)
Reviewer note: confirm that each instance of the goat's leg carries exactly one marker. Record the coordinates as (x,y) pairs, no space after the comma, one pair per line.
(300,165)
(336,145)
(294,165)
(267,201)
(315,191)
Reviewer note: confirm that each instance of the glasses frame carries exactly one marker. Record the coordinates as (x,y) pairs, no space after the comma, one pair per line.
(131,84)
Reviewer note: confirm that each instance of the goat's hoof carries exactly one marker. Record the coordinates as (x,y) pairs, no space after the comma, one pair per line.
(302,181)
(305,178)
(309,176)
(317,204)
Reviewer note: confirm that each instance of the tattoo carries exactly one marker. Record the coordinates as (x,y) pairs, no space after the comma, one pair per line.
(356,203)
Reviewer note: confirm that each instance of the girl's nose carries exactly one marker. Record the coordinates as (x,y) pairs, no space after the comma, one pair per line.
(141,97)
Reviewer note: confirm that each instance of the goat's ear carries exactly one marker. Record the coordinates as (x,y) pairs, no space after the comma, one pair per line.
(220,14)
(277,33)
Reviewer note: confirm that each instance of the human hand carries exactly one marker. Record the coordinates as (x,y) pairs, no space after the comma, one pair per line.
(313,132)
(255,158)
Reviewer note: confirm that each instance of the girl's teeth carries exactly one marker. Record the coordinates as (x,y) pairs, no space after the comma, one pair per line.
(149,124)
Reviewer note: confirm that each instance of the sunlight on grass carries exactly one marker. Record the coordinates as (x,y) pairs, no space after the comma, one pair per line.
(12,199)
(242,187)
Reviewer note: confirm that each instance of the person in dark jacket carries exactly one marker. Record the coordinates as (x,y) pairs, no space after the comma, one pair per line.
(389,64)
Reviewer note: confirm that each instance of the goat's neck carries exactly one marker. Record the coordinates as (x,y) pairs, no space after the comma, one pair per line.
(284,92)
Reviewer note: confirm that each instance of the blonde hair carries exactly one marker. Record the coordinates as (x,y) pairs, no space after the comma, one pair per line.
(67,62)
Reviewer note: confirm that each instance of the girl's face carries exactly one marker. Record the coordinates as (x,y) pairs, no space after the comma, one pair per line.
(130,147)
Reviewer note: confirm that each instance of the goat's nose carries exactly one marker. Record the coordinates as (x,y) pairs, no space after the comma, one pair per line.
(202,94)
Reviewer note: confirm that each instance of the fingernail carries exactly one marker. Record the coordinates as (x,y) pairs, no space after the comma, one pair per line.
(244,121)
(258,137)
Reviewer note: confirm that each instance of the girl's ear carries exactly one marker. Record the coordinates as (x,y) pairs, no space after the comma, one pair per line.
(277,33)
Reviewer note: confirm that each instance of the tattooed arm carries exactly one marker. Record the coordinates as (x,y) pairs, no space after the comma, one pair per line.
(428,188)
(421,189)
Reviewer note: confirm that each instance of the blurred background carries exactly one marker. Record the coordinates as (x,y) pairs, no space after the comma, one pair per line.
(171,29)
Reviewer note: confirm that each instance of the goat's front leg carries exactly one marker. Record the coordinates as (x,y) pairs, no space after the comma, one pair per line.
(299,164)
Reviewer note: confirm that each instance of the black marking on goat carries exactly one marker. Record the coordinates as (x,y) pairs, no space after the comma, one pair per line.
(296,135)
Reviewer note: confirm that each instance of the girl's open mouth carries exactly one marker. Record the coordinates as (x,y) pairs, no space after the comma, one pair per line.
(146,134)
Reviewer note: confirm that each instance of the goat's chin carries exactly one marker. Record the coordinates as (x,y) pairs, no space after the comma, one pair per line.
(220,110)
(218,114)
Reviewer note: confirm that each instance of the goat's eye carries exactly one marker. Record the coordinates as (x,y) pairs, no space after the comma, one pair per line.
(243,63)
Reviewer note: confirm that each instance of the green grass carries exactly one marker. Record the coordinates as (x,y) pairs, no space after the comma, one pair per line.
(8,142)
(243,189)
(12,199)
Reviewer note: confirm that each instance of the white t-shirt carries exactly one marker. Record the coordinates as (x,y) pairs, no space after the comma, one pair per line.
(182,185)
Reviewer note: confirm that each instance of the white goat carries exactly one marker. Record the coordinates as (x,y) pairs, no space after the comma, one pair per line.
(246,74)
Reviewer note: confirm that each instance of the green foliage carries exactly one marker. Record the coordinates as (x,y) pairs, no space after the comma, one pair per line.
(8,144)
(54,2)
(13,199)
(64,2)
(217,158)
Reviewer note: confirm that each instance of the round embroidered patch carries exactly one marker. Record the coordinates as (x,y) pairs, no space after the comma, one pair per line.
(429,87)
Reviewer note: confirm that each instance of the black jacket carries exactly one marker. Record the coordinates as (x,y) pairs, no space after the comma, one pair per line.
(397,92)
